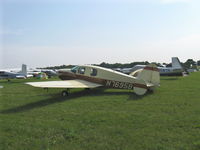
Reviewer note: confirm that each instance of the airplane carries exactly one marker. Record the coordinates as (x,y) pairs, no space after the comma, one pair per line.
(175,70)
(89,76)
(10,75)
(198,65)
(4,74)
(133,69)
(50,73)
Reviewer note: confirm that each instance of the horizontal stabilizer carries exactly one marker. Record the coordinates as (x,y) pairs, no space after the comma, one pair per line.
(149,85)
(65,84)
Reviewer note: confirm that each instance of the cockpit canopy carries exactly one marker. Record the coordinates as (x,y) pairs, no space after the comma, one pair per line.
(83,69)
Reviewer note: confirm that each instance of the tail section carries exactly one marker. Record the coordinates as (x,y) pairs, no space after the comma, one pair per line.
(24,69)
(150,74)
(176,63)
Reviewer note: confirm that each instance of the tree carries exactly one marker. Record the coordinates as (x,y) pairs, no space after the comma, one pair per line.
(190,63)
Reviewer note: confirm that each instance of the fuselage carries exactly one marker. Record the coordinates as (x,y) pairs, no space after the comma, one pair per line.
(106,77)
(10,75)
(164,71)
(170,71)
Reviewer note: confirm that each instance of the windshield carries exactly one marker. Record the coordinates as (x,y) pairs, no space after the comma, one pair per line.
(74,69)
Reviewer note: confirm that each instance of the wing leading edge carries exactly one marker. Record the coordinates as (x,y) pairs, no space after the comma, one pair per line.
(65,84)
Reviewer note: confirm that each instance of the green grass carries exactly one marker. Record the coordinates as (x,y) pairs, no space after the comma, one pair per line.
(101,119)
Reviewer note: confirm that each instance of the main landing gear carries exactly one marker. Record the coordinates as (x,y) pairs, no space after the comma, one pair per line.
(65,93)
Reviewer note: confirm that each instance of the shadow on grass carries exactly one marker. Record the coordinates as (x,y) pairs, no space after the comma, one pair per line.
(133,96)
(57,98)
(174,78)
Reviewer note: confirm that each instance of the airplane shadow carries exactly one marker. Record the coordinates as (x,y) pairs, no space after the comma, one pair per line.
(172,78)
(57,98)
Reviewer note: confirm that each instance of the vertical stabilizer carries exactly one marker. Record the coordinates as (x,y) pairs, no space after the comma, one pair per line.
(150,74)
(176,63)
(24,69)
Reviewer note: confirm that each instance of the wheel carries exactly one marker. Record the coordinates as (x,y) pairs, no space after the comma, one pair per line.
(139,91)
(152,89)
(65,93)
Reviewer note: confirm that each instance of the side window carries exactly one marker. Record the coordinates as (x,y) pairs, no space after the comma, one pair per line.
(81,70)
(93,72)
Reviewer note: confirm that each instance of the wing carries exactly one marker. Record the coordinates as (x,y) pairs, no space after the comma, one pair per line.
(65,84)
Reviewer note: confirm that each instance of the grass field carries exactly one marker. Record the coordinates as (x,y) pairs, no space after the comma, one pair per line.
(101,119)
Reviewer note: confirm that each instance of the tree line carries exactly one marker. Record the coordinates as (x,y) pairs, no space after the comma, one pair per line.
(190,63)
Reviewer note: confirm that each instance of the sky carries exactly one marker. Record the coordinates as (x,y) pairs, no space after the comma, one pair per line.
(43,33)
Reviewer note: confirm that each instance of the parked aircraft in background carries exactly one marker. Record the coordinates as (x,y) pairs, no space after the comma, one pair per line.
(11,75)
(130,70)
(88,76)
(49,73)
(198,65)
(25,73)
(175,70)
(18,75)
(33,72)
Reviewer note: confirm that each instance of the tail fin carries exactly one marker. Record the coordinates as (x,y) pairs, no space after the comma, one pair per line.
(176,62)
(24,69)
(150,74)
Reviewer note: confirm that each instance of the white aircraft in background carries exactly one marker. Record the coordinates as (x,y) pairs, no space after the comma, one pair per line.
(50,73)
(88,76)
(8,74)
(175,70)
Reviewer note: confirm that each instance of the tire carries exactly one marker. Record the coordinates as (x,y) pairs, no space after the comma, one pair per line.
(65,93)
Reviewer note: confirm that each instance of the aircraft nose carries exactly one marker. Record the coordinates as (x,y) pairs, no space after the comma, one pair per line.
(66,74)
